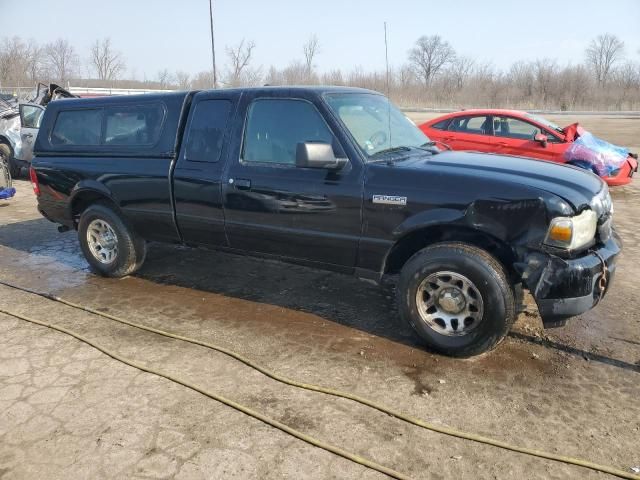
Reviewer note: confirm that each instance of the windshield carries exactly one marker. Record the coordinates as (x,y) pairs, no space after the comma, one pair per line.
(375,123)
(545,122)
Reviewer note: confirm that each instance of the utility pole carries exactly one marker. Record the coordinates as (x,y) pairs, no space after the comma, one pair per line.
(213,48)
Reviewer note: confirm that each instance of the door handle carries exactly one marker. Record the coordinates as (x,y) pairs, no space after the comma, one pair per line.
(28,135)
(240,183)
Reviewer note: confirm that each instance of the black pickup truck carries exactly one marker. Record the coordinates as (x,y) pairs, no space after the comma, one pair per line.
(335,178)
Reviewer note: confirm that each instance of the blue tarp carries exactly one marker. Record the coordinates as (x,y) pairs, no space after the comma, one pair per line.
(602,157)
(6,193)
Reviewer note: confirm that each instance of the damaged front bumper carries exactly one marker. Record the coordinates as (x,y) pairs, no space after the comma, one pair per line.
(564,288)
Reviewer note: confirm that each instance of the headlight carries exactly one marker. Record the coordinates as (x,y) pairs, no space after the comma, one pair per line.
(572,233)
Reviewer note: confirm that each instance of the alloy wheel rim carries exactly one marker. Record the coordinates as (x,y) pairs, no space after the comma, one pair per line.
(449,303)
(102,241)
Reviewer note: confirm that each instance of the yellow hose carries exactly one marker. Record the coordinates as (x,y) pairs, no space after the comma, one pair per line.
(336,393)
(238,406)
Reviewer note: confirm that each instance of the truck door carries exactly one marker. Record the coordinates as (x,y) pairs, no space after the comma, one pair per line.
(198,171)
(30,116)
(272,206)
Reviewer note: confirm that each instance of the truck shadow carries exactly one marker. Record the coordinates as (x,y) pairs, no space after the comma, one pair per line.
(595,357)
(340,299)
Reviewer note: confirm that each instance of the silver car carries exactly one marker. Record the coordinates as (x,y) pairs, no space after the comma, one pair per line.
(19,124)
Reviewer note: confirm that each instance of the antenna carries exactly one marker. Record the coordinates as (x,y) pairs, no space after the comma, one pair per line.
(386,59)
(386,55)
(213,49)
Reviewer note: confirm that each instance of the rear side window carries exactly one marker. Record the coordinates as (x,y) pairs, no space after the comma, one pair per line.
(118,125)
(441,125)
(478,125)
(133,125)
(206,132)
(77,127)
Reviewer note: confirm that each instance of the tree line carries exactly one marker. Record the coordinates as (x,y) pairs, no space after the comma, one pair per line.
(433,74)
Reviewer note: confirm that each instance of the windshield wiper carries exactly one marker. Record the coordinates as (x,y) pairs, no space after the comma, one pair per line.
(402,148)
(383,153)
(433,144)
(390,150)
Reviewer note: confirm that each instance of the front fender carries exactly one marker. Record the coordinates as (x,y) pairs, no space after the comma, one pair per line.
(518,222)
(428,218)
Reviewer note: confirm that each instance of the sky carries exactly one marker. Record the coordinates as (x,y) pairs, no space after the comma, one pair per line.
(174,34)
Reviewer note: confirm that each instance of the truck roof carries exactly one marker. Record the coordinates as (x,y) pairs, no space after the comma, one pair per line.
(170,105)
(179,95)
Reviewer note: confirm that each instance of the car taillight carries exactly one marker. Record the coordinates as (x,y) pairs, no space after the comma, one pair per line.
(34,181)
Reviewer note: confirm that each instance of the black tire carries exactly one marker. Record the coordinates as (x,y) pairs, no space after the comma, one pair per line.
(6,156)
(489,279)
(131,249)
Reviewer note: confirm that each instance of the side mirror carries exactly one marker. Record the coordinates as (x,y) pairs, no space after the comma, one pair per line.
(318,155)
(541,138)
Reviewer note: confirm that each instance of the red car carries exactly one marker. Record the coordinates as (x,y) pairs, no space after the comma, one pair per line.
(513,132)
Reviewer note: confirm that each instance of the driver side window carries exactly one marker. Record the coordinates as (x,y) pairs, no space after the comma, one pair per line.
(275,127)
(513,128)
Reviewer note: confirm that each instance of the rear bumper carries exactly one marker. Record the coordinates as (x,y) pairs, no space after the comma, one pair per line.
(564,288)
(20,163)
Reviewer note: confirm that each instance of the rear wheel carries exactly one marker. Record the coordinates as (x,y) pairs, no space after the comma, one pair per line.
(457,298)
(110,246)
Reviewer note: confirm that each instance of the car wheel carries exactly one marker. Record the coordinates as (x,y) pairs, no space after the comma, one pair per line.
(6,158)
(457,298)
(110,246)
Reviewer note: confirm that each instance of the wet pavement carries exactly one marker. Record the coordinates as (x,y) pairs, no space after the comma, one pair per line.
(67,411)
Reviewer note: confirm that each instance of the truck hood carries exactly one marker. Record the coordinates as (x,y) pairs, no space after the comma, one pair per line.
(574,185)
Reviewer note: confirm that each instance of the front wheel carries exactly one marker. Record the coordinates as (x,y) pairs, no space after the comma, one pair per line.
(110,246)
(457,298)
(6,158)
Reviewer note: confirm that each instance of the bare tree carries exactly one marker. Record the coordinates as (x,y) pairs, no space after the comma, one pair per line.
(522,79)
(460,69)
(627,79)
(453,81)
(574,83)
(183,79)
(202,80)
(333,77)
(107,62)
(12,53)
(34,60)
(62,60)
(545,74)
(310,49)
(164,78)
(602,54)
(240,58)
(429,55)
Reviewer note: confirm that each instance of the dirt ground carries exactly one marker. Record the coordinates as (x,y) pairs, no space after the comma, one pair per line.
(67,411)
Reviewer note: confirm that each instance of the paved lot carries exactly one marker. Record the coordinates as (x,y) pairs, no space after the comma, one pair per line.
(67,411)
